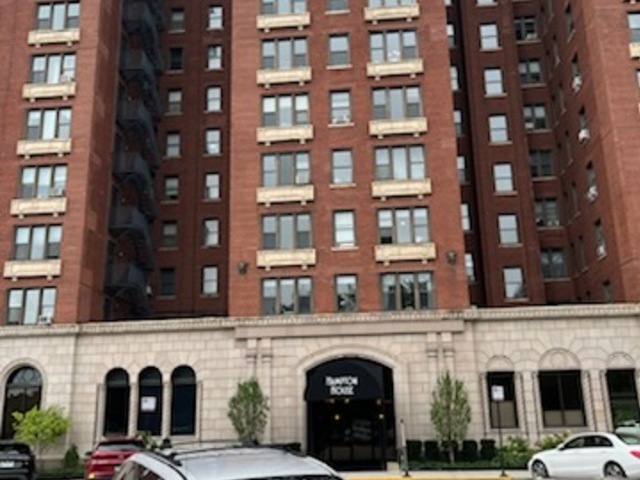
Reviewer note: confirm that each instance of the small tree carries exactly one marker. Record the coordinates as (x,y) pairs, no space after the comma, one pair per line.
(248,411)
(41,429)
(450,413)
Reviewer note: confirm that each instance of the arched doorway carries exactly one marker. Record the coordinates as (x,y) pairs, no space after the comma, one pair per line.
(116,409)
(150,398)
(350,414)
(23,392)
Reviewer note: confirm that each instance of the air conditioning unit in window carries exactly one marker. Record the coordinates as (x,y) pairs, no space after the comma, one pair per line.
(57,192)
(45,319)
(67,78)
(553,223)
(531,36)
(341,119)
(592,193)
(394,56)
(576,83)
(583,135)
(601,251)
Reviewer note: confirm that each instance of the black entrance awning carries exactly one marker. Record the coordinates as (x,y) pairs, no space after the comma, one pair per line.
(351,378)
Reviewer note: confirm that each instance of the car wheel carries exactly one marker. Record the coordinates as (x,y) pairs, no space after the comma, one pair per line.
(539,470)
(614,470)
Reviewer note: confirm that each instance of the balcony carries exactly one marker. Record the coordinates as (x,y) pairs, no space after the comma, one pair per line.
(54,146)
(401,12)
(405,252)
(270,77)
(402,67)
(634,50)
(292,133)
(37,91)
(49,37)
(16,269)
(128,284)
(267,23)
(138,19)
(302,257)
(401,188)
(131,167)
(133,114)
(402,126)
(285,194)
(23,207)
(132,222)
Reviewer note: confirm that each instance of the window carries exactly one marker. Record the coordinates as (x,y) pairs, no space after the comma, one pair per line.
(403,225)
(482,3)
(212,186)
(561,399)
(407,291)
(176,58)
(498,131)
(171,188)
(212,141)
(28,306)
(489,36)
(569,22)
(214,57)
(49,124)
(22,393)
(211,232)
(37,242)
(503,178)
(530,71)
(623,396)
(339,50)
(341,167)
(340,104)
(493,81)
(601,247)
(291,168)
(173,145)
(174,101)
(463,174)
(507,416)
(466,217)
(457,123)
(346,293)
(405,162)
(170,234)
(535,117)
(286,296)
(286,231)
(607,292)
(469,265)
(337,5)
(455,78)
(344,229)
(53,68)
(389,3)
(282,7)
(43,182)
(183,401)
(213,99)
(58,16)
(541,162)
(526,28)
(633,19)
(396,103)
(547,212)
(553,263)
(117,398)
(176,19)
(451,35)
(285,110)
(284,53)
(150,385)
(393,46)
(210,280)
(508,229)
(167,282)
(514,286)
(215,19)
(592,186)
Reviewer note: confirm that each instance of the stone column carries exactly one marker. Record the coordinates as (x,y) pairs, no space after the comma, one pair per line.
(98,424)
(133,409)
(532,412)
(264,375)
(167,393)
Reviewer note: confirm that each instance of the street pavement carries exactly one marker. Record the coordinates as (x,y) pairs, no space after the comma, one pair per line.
(439,475)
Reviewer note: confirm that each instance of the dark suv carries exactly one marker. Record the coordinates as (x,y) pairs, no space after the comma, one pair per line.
(16,461)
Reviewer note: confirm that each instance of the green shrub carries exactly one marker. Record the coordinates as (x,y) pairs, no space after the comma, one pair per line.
(469,451)
(71,458)
(552,441)
(487,449)
(431,451)
(515,454)
(414,450)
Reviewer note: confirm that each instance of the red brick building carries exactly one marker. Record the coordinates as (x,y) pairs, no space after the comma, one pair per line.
(177,158)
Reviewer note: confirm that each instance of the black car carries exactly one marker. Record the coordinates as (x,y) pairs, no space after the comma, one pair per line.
(16,461)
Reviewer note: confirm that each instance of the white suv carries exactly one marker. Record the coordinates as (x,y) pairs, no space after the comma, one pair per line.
(223,463)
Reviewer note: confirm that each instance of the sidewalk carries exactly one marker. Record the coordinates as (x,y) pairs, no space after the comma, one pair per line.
(438,475)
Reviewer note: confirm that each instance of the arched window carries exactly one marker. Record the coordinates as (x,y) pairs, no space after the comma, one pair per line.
(23,392)
(150,401)
(117,401)
(183,401)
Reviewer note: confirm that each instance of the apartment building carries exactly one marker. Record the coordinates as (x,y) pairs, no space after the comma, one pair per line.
(313,191)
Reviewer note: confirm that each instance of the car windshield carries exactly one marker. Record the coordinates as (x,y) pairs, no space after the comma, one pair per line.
(119,446)
(15,448)
(629,439)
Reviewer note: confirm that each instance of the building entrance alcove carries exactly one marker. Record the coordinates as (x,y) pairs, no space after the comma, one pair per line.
(350,414)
